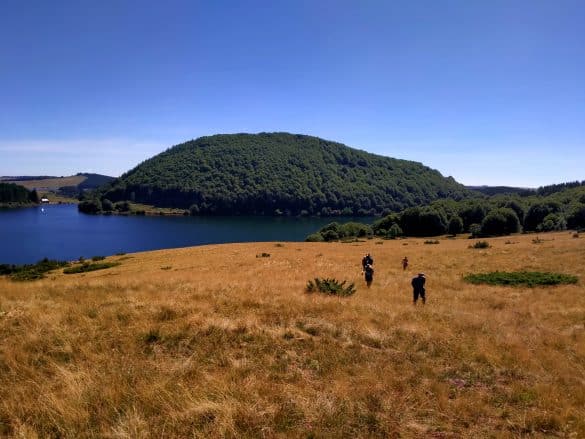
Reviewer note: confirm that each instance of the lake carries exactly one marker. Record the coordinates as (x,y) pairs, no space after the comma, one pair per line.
(61,232)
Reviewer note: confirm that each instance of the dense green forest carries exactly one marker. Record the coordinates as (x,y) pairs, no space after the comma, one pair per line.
(562,208)
(274,174)
(13,194)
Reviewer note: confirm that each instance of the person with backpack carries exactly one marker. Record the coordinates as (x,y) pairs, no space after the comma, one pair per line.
(367,260)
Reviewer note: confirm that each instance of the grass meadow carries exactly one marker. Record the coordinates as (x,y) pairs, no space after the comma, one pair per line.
(213,342)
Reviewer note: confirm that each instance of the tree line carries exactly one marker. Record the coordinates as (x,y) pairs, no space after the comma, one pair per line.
(11,194)
(488,216)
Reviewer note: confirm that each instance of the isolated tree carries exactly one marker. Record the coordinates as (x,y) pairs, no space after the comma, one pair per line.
(455,225)
(576,217)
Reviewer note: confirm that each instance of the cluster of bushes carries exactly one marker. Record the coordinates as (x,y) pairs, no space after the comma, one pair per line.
(96,205)
(87,266)
(335,231)
(31,271)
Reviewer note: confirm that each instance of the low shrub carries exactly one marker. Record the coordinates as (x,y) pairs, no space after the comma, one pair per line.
(98,258)
(521,278)
(330,286)
(480,244)
(430,241)
(83,268)
(263,255)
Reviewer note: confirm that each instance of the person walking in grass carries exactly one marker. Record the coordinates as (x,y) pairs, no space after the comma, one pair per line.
(405,263)
(418,288)
(369,274)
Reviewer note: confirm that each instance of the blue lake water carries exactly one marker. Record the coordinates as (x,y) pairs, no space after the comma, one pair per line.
(61,232)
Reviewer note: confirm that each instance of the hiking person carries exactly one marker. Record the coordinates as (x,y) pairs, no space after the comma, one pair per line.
(369,274)
(367,260)
(418,288)
(405,263)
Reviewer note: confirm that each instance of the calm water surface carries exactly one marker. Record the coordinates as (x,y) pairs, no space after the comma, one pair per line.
(61,232)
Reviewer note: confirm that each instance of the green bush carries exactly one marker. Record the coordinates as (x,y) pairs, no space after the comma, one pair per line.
(83,268)
(314,237)
(480,244)
(520,278)
(330,286)
(430,241)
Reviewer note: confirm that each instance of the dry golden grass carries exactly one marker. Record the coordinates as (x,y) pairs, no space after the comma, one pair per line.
(215,342)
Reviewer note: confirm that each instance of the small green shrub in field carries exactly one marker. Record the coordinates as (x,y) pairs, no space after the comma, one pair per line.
(263,255)
(520,278)
(430,241)
(330,286)
(480,244)
(83,268)
(31,271)
(98,258)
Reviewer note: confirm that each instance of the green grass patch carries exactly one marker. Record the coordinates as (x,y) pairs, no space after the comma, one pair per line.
(330,286)
(84,268)
(28,272)
(521,278)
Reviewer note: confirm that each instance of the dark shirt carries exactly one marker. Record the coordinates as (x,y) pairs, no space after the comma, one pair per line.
(418,283)
(367,260)
(369,273)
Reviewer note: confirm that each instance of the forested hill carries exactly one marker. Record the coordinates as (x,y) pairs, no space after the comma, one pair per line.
(279,173)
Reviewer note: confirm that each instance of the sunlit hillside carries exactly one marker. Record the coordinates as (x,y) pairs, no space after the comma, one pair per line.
(222,341)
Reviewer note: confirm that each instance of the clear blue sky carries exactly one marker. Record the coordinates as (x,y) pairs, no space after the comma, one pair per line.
(489,92)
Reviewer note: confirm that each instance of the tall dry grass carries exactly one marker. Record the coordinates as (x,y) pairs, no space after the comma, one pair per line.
(215,342)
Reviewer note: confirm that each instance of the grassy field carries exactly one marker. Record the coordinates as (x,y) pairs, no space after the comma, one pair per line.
(221,341)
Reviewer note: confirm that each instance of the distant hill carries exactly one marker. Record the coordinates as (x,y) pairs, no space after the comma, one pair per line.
(69,186)
(502,190)
(279,173)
